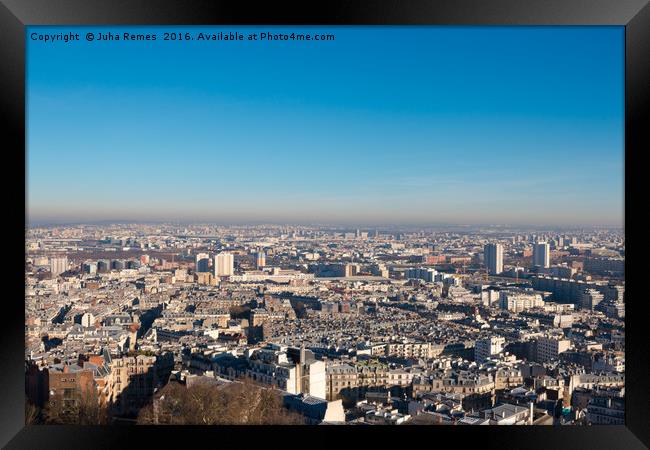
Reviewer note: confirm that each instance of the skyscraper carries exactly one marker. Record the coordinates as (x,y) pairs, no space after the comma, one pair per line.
(224,264)
(493,255)
(260,260)
(541,254)
(202,263)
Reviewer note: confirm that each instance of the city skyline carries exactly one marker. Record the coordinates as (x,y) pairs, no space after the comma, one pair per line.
(318,325)
(389,125)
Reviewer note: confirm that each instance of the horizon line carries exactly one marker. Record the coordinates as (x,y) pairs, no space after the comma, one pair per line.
(50,222)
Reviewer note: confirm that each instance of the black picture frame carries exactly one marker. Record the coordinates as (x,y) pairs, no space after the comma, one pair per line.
(634,15)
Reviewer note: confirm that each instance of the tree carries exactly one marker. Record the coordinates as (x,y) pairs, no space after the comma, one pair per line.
(32,413)
(238,403)
(82,409)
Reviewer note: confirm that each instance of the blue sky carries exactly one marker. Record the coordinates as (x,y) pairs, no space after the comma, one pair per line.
(411,125)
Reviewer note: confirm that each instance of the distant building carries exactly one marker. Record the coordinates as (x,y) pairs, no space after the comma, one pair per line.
(600,266)
(224,264)
(549,348)
(87,320)
(425,274)
(516,301)
(89,268)
(570,291)
(103,266)
(493,256)
(202,263)
(484,348)
(58,265)
(542,254)
(590,298)
(260,260)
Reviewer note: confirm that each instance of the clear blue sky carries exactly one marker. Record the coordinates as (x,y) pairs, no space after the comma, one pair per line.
(507,125)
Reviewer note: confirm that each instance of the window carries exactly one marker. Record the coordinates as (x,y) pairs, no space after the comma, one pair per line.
(67,393)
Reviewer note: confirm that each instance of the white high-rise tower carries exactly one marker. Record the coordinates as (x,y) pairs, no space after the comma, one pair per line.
(224,264)
(493,256)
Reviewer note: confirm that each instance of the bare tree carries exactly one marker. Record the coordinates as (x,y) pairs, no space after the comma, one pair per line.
(32,413)
(82,409)
(239,403)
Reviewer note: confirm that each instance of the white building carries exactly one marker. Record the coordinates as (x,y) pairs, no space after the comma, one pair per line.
(315,382)
(508,414)
(87,320)
(484,348)
(493,256)
(224,264)
(519,301)
(273,366)
(58,265)
(549,348)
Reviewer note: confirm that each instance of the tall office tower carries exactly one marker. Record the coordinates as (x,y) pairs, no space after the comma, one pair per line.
(493,255)
(541,254)
(202,263)
(58,265)
(260,260)
(224,264)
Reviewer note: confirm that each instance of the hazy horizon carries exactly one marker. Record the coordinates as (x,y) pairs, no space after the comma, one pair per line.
(339,225)
(385,125)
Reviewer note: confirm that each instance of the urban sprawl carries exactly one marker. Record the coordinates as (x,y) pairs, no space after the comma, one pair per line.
(462,325)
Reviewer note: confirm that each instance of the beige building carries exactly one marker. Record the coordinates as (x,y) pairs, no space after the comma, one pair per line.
(224,264)
(372,374)
(133,381)
(507,377)
(455,383)
(340,376)
(413,350)
(485,348)
(549,348)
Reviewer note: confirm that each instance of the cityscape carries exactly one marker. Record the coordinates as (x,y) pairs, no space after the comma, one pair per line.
(384,225)
(463,325)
